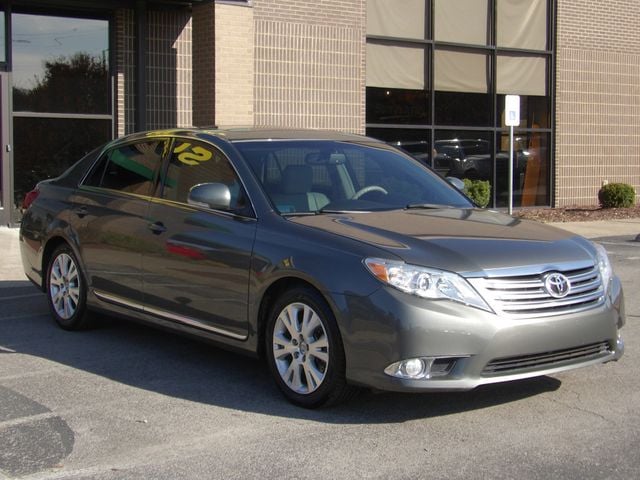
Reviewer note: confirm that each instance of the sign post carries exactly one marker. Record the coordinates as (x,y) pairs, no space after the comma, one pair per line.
(512,119)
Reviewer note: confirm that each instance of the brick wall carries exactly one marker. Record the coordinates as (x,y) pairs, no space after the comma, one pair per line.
(310,63)
(169,69)
(597,98)
(234,65)
(204,62)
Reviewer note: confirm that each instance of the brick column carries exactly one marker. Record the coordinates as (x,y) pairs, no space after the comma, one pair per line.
(203,58)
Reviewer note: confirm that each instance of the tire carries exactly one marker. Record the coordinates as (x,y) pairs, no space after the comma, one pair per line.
(304,350)
(66,290)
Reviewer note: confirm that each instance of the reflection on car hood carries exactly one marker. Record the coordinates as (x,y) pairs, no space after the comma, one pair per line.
(461,240)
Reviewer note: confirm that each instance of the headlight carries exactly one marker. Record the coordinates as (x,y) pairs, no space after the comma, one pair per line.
(425,282)
(606,272)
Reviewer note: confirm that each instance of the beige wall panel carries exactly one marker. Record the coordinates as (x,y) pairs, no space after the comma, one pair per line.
(234,71)
(310,64)
(597,98)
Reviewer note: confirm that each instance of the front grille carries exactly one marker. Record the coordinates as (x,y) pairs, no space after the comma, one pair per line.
(525,296)
(537,361)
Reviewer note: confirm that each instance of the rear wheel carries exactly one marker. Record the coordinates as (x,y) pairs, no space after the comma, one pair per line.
(66,290)
(304,350)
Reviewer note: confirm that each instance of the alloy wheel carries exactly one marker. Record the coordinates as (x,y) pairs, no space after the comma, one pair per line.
(300,348)
(64,286)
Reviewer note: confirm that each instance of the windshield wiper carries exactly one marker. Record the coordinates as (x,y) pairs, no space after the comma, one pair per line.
(298,214)
(427,206)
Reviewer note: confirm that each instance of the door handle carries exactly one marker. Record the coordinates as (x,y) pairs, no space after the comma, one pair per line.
(157,228)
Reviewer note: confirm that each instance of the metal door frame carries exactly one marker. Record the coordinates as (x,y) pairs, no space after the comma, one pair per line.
(6,149)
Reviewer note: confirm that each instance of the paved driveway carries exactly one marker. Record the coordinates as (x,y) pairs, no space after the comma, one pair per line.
(125,401)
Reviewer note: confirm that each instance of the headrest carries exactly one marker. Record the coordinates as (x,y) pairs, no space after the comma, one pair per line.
(297,179)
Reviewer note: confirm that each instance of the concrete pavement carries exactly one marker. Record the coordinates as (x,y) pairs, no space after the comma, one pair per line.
(11,266)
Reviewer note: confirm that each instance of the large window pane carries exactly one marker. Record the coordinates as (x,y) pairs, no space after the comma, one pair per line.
(462,21)
(530,170)
(461,71)
(416,142)
(522,24)
(60,64)
(534,111)
(392,105)
(392,66)
(464,154)
(472,109)
(391,18)
(519,75)
(44,148)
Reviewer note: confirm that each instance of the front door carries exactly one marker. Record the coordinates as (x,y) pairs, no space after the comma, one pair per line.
(5,153)
(198,272)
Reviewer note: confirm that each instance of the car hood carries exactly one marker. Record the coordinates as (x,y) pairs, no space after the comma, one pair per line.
(467,241)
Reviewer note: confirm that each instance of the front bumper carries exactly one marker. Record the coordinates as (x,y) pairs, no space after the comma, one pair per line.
(389,326)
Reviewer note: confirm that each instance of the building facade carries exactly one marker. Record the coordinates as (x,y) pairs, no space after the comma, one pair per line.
(427,75)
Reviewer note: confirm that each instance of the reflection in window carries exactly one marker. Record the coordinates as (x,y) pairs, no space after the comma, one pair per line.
(44,148)
(522,24)
(60,64)
(394,105)
(530,170)
(388,18)
(464,154)
(415,142)
(193,163)
(462,21)
(130,168)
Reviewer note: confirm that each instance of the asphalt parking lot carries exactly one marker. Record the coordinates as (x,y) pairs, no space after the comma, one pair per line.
(124,401)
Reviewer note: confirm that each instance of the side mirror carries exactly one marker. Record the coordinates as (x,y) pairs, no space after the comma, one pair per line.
(456,182)
(216,196)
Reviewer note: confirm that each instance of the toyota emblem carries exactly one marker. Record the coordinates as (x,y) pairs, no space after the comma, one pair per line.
(557,285)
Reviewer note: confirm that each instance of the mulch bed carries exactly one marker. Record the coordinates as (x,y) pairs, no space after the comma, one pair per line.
(578,213)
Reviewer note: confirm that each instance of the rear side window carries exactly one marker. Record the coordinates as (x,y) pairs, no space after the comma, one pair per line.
(192,163)
(129,168)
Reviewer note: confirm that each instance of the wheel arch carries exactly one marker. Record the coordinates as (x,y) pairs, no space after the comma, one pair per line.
(272,294)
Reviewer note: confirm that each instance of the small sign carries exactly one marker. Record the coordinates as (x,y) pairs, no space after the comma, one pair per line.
(512,110)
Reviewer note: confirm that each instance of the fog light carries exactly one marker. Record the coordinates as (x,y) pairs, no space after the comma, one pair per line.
(421,368)
(414,367)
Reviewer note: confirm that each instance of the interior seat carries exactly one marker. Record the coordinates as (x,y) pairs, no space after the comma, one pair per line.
(295,193)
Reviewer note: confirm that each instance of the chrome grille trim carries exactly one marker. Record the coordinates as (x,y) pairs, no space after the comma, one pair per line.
(501,366)
(524,296)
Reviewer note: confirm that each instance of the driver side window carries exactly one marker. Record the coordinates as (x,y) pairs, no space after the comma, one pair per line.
(192,163)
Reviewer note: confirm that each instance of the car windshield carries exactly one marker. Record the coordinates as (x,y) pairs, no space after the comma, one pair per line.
(307,177)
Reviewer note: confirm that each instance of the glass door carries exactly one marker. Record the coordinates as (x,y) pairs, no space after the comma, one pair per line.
(5,151)
(61,95)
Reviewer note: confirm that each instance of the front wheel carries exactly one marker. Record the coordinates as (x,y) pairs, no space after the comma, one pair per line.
(66,290)
(304,350)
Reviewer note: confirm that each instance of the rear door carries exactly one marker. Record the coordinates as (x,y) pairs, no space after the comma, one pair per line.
(197,271)
(109,215)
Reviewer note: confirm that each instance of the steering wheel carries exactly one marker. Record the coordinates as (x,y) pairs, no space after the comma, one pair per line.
(370,188)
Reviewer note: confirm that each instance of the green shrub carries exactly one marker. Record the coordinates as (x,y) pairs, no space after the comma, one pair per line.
(617,195)
(478,190)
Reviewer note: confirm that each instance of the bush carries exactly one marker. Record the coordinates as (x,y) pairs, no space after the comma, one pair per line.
(478,190)
(617,195)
